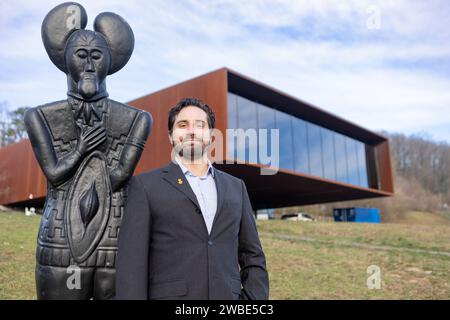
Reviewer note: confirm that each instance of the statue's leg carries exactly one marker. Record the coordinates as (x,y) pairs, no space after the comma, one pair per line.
(63,283)
(104,284)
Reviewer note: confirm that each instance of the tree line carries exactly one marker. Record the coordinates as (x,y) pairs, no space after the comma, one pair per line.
(417,157)
(12,127)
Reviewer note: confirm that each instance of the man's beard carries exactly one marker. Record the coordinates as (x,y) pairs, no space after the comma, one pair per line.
(88,86)
(192,153)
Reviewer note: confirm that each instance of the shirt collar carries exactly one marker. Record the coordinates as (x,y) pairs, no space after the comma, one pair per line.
(187,171)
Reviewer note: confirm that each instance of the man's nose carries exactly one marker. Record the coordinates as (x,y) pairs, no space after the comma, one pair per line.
(89,67)
(191,129)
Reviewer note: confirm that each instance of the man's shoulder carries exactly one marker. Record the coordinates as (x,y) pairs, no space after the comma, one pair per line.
(230,178)
(155,175)
(149,176)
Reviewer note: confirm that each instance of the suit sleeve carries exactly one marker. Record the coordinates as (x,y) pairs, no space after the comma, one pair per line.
(133,249)
(254,276)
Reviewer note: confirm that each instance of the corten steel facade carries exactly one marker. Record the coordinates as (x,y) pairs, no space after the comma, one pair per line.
(323,158)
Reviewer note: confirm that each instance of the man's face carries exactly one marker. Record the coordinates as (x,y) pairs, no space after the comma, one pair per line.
(191,134)
(88,66)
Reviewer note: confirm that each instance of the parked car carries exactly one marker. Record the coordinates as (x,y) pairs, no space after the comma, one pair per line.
(297,217)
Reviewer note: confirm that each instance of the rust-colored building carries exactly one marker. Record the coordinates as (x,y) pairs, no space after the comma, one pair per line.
(323,158)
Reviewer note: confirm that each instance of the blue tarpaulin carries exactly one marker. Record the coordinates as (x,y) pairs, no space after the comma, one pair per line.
(370,215)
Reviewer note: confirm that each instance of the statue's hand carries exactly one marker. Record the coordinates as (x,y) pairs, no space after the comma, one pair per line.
(91,139)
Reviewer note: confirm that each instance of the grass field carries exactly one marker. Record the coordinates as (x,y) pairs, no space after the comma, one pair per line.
(306,260)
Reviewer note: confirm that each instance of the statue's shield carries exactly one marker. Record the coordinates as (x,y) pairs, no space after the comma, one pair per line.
(88,206)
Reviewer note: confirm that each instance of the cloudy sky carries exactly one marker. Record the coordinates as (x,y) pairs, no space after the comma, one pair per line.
(382,64)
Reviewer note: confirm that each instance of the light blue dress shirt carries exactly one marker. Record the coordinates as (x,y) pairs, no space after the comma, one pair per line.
(205,190)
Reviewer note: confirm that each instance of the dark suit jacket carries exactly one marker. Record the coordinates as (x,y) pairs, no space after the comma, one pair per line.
(165,251)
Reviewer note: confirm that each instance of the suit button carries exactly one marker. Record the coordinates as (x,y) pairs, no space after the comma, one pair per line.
(210,243)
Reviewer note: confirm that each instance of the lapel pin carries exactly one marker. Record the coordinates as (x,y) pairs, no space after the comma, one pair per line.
(180,181)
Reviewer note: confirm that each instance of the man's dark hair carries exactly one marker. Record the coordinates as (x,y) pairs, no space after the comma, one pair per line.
(186,102)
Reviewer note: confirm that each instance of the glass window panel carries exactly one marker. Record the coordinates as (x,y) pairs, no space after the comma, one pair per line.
(247,113)
(247,120)
(283,122)
(301,162)
(232,124)
(341,157)
(362,164)
(352,161)
(315,150)
(232,111)
(329,163)
(266,120)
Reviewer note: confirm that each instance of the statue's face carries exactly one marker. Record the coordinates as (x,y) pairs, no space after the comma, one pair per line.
(88,61)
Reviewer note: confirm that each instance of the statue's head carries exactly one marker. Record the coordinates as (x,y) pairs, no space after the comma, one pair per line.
(88,61)
(87,57)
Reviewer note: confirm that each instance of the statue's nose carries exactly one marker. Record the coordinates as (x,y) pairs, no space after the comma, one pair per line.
(89,67)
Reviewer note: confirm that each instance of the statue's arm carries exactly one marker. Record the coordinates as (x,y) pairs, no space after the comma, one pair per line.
(132,150)
(57,171)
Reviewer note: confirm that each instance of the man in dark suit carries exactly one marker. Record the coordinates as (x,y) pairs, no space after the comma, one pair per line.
(188,230)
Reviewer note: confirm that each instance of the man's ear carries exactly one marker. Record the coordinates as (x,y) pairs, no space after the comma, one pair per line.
(170,139)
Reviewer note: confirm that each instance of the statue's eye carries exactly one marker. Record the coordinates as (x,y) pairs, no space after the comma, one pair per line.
(82,54)
(96,55)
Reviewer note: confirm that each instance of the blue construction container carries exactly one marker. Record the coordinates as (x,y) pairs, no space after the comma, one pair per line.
(369,215)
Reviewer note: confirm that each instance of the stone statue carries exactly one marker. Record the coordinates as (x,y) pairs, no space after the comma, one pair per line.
(88,147)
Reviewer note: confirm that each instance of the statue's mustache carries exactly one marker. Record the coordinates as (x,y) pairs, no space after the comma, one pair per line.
(88,76)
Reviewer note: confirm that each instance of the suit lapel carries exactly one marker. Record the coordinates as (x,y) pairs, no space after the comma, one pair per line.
(176,178)
(221,191)
(174,175)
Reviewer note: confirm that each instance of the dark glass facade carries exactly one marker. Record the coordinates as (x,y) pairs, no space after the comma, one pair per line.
(304,147)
